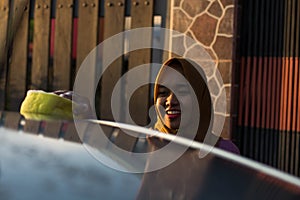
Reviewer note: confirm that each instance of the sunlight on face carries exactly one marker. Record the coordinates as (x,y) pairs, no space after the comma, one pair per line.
(170,107)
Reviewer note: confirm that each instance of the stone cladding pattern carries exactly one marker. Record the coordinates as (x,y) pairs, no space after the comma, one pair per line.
(204,32)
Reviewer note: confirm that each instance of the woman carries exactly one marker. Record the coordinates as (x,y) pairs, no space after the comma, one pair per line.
(174,112)
(180,92)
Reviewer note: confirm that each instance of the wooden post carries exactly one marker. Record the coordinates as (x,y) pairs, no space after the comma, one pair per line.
(63,45)
(142,16)
(4,17)
(17,72)
(41,46)
(113,24)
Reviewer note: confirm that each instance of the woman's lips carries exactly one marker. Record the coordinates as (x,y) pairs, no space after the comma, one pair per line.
(173,113)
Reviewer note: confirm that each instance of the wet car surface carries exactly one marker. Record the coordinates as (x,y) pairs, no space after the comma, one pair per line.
(33,166)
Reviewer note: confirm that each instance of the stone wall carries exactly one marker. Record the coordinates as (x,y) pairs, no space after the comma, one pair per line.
(210,24)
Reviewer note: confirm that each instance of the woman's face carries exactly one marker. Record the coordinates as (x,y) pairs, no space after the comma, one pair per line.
(173,109)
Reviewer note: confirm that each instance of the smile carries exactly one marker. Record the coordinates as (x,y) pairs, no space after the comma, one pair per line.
(173,112)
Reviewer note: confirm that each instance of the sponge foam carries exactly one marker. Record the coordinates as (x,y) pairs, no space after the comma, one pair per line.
(40,105)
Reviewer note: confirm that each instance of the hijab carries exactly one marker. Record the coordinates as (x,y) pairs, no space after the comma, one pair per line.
(196,79)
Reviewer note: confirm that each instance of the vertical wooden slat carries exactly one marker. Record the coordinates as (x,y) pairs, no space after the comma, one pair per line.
(12,120)
(260,9)
(113,24)
(297,63)
(255,94)
(241,75)
(63,45)
(297,155)
(1,115)
(266,125)
(71,133)
(297,110)
(268,131)
(272,82)
(255,97)
(167,23)
(249,137)
(283,111)
(250,61)
(87,35)
(283,101)
(269,55)
(263,41)
(142,16)
(297,66)
(288,68)
(289,60)
(241,105)
(297,96)
(87,28)
(289,112)
(4,16)
(241,91)
(32,126)
(279,92)
(236,68)
(290,83)
(271,65)
(17,72)
(41,46)
(278,109)
(52,129)
(263,109)
(274,92)
(295,35)
(278,51)
(294,88)
(247,88)
(241,98)
(74,37)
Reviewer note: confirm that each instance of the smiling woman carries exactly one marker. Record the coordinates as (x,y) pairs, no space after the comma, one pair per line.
(180,91)
(178,76)
(183,106)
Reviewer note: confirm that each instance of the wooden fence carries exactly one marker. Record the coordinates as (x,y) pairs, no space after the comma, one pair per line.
(268,111)
(62,129)
(45,41)
(53,129)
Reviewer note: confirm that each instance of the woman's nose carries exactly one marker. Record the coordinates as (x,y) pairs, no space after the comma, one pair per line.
(171,99)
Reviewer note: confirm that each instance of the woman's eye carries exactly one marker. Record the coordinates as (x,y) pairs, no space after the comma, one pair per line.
(163,92)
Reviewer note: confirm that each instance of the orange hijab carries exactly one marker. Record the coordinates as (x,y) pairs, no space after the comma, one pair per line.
(200,88)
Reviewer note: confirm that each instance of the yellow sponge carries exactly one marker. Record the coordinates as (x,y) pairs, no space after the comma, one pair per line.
(40,105)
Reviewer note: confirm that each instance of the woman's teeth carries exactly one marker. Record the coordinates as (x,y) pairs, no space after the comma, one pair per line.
(173,112)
